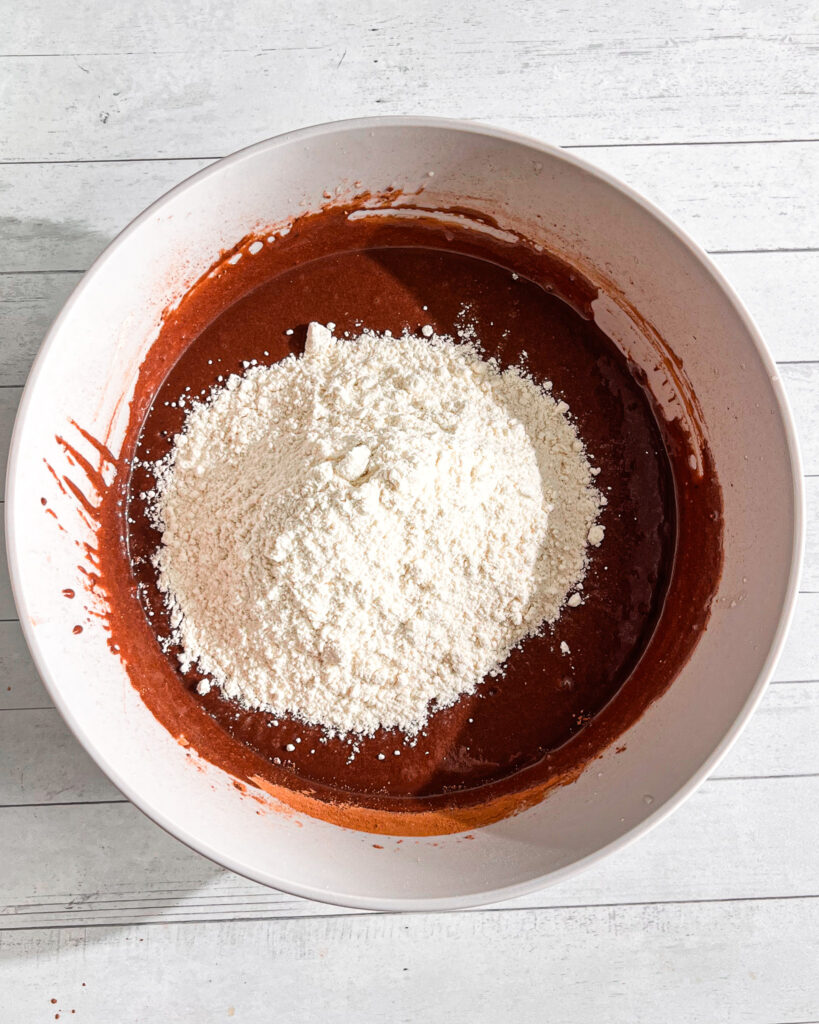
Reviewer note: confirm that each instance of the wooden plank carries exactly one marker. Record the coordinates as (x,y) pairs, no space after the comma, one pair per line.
(9,400)
(781,291)
(780,738)
(153,26)
(7,606)
(730,197)
(42,763)
(810,571)
(751,962)
(61,217)
(800,380)
(635,74)
(20,686)
(28,305)
(745,182)
(798,659)
(108,864)
(639,73)
(766,281)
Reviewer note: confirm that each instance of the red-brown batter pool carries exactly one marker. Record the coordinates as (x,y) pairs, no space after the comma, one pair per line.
(647,592)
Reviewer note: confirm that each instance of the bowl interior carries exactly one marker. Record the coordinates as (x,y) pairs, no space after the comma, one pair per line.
(86,373)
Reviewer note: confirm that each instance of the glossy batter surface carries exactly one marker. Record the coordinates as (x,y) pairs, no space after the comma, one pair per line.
(549,713)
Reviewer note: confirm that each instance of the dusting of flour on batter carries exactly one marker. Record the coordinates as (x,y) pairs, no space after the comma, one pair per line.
(358,535)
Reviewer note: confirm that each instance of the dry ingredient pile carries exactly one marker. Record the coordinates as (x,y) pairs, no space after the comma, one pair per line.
(359,535)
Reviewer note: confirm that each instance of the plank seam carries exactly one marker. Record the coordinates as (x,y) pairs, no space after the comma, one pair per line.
(807,140)
(125,800)
(346,913)
(67,803)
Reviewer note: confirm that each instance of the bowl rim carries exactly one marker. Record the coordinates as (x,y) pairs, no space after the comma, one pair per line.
(663,810)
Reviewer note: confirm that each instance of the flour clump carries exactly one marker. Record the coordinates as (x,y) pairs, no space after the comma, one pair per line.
(359,535)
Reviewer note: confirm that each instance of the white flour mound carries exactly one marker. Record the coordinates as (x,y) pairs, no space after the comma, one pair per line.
(357,536)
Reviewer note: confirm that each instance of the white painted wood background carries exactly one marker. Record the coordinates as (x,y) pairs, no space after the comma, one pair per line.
(711,109)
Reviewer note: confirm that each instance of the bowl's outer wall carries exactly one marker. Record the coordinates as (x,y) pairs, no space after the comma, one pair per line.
(91,358)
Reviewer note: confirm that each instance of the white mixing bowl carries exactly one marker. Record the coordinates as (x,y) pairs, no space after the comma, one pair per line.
(86,371)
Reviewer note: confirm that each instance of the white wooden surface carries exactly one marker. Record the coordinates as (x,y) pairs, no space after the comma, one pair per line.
(708,107)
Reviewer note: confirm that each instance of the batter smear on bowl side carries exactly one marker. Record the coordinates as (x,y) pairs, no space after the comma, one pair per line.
(396,532)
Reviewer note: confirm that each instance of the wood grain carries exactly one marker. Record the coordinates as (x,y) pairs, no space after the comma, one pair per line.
(713,917)
(20,685)
(798,660)
(680,964)
(8,611)
(781,292)
(734,839)
(729,197)
(780,740)
(9,400)
(810,569)
(801,383)
(149,83)
(28,305)
(60,772)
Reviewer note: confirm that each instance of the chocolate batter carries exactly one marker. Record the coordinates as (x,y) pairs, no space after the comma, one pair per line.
(549,713)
